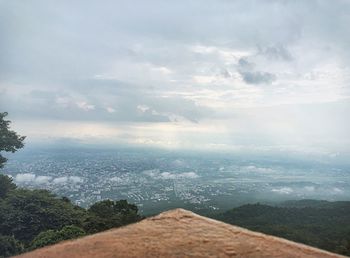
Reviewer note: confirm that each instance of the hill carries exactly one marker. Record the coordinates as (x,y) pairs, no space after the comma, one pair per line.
(322,224)
(178,233)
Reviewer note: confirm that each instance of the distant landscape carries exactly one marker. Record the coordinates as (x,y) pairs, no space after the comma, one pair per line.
(31,219)
(115,111)
(304,200)
(157,180)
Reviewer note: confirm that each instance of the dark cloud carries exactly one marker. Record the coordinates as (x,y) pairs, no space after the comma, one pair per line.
(103,100)
(245,64)
(247,70)
(257,77)
(278,52)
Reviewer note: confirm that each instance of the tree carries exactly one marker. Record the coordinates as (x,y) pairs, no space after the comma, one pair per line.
(108,208)
(51,237)
(9,246)
(108,214)
(10,141)
(6,185)
(25,213)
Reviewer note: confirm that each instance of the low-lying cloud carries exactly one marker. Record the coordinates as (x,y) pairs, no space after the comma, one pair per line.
(156,174)
(30,178)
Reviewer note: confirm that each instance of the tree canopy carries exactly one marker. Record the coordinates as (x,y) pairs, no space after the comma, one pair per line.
(10,141)
(50,236)
(34,218)
(6,185)
(322,224)
(9,246)
(109,214)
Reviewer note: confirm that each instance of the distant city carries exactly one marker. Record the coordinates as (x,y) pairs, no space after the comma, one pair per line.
(158,180)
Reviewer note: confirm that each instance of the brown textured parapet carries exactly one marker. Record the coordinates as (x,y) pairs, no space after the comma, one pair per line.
(178,233)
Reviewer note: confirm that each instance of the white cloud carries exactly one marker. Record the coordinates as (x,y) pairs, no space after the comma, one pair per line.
(162,70)
(188,175)
(264,83)
(171,175)
(310,188)
(110,110)
(116,179)
(85,106)
(60,180)
(76,179)
(68,180)
(25,178)
(43,179)
(143,108)
(257,169)
(283,190)
(151,173)
(167,175)
(40,180)
(337,190)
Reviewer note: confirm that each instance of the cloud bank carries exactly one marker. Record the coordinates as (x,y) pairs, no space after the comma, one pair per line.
(180,74)
(31,178)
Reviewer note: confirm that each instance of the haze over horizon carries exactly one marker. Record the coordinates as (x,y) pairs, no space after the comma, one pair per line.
(217,75)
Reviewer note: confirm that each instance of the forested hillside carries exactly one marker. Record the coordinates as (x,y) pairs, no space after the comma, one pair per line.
(34,218)
(322,224)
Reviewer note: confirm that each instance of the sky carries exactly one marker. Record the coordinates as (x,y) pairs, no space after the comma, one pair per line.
(218,75)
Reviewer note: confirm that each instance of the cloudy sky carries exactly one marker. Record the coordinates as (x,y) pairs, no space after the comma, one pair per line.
(179,74)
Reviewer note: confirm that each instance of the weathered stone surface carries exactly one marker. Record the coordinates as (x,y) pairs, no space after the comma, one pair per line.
(179,233)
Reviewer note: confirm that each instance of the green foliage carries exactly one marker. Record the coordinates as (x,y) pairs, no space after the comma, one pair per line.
(10,141)
(6,185)
(105,208)
(47,237)
(93,224)
(325,225)
(9,246)
(50,237)
(69,232)
(26,213)
(108,214)
(35,218)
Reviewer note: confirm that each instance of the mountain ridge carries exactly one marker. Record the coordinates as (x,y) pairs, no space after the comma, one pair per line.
(179,233)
